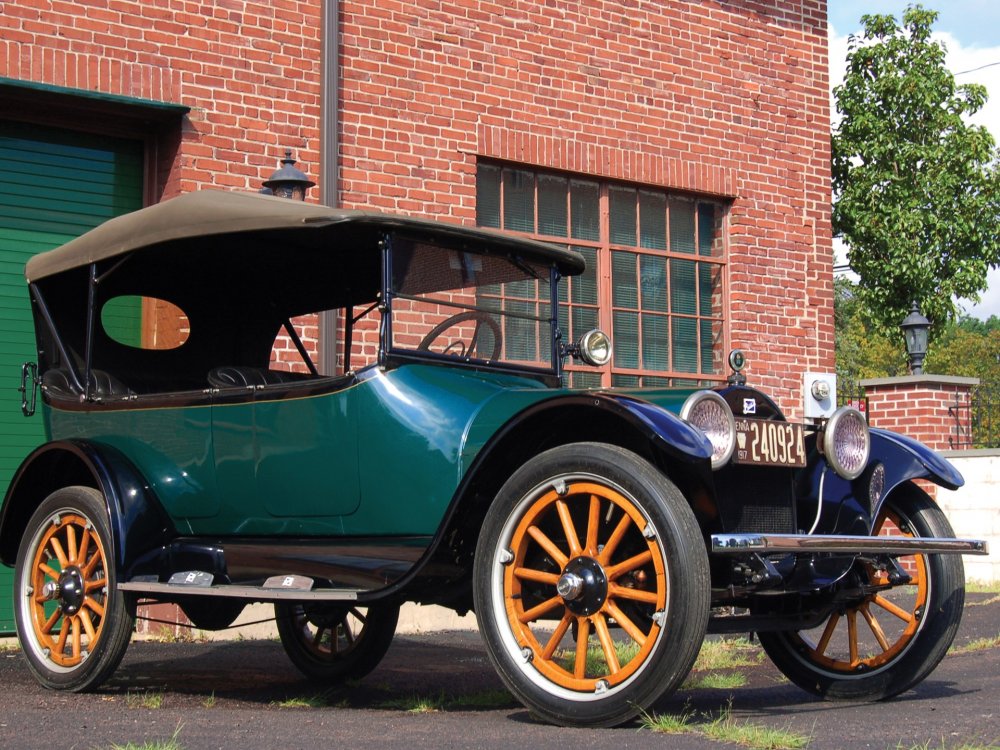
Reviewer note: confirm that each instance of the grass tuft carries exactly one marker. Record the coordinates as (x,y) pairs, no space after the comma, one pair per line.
(979,644)
(728,653)
(724,728)
(170,744)
(144,700)
(716,681)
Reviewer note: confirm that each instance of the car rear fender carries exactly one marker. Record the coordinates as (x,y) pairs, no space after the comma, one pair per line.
(137,520)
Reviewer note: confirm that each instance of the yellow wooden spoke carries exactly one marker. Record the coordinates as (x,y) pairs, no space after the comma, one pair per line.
(852,635)
(535,612)
(636,561)
(541,576)
(633,630)
(874,626)
(569,529)
(824,640)
(607,644)
(615,539)
(51,622)
(548,545)
(88,625)
(557,636)
(593,524)
(71,550)
(582,640)
(95,606)
(891,608)
(57,547)
(638,595)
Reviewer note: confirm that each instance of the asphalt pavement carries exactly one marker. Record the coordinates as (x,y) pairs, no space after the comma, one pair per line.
(438,690)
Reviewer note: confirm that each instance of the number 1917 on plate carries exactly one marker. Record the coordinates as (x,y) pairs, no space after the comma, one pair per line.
(769,443)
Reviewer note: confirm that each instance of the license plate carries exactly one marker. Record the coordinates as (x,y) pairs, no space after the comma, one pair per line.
(768,443)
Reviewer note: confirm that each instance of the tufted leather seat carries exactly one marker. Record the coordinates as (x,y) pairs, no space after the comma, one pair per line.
(102,384)
(248,377)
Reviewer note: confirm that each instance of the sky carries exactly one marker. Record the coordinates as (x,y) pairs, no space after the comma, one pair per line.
(970,30)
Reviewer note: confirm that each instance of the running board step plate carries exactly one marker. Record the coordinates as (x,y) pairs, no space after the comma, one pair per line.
(738,544)
(276,588)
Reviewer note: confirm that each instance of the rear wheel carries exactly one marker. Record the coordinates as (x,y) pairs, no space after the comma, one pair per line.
(335,642)
(892,637)
(591,585)
(73,623)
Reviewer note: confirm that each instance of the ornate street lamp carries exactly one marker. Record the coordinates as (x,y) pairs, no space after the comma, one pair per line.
(288,182)
(915,327)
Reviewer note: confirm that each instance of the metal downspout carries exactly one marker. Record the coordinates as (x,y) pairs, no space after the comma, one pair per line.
(329,148)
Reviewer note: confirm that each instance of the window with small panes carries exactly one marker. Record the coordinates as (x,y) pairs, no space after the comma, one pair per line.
(655,275)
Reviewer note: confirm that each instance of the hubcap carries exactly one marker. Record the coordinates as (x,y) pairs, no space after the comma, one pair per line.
(71,590)
(585,584)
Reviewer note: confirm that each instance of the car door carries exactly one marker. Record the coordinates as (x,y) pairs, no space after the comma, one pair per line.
(286,457)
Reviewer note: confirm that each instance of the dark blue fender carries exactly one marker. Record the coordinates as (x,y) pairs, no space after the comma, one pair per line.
(670,432)
(846,508)
(906,458)
(138,523)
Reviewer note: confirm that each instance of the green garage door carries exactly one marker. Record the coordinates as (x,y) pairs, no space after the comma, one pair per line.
(54,185)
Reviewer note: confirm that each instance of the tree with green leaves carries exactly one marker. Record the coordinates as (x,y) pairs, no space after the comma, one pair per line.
(916,187)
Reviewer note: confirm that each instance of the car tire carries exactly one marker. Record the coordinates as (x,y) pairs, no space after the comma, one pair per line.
(73,623)
(331,643)
(901,633)
(591,585)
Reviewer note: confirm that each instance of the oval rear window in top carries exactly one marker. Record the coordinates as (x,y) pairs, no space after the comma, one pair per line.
(145,322)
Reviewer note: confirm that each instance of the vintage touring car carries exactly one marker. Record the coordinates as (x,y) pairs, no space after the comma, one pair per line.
(597,534)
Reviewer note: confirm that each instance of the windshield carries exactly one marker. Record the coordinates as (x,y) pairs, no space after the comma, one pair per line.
(470,307)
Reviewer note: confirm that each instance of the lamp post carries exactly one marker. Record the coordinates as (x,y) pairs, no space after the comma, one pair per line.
(915,327)
(288,182)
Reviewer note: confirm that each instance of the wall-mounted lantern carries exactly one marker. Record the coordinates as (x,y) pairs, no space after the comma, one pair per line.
(288,182)
(915,327)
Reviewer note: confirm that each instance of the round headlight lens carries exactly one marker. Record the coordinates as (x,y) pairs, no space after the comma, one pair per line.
(595,348)
(710,413)
(846,442)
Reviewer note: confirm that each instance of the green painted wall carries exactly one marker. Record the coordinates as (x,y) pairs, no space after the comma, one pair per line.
(54,185)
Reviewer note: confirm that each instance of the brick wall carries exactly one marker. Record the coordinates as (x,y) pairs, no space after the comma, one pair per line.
(918,406)
(724,99)
(248,70)
(727,99)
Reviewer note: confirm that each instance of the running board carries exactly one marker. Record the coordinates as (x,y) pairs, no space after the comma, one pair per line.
(276,588)
(737,544)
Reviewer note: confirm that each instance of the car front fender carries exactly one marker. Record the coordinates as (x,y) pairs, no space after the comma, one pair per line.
(905,458)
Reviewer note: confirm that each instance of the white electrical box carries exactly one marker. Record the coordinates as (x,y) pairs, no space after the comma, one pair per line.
(819,394)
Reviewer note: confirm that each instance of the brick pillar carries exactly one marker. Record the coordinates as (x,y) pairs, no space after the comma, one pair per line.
(918,406)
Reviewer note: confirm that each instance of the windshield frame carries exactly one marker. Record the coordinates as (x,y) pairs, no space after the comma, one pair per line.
(391,355)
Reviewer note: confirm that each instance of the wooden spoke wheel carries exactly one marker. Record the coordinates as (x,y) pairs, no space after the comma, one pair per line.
(331,643)
(890,638)
(591,585)
(73,624)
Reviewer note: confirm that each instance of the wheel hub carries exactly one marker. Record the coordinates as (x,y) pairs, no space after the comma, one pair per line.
(71,590)
(583,586)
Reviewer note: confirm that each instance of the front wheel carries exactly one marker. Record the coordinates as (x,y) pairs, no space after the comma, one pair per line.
(889,638)
(591,585)
(73,623)
(334,642)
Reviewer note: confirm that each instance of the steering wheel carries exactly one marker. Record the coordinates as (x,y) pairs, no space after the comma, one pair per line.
(458,347)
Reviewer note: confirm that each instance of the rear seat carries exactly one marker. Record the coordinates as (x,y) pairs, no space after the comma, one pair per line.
(250,377)
(102,385)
